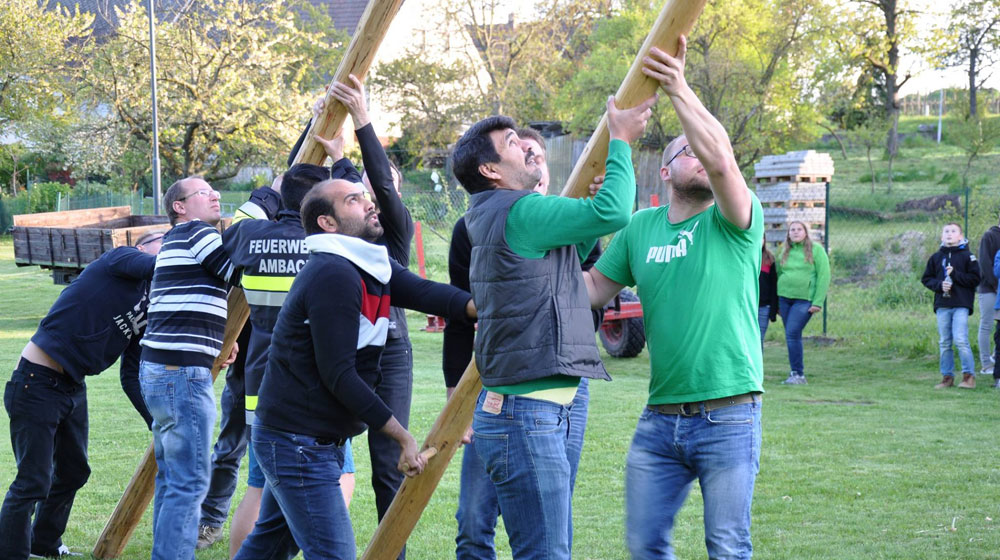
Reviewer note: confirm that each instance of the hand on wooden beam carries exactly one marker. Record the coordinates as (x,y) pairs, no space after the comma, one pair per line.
(354,99)
(666,69)
(333,147)
(629,124)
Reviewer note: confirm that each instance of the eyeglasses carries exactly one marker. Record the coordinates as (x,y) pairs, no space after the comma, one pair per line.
(207,193)
(686,150)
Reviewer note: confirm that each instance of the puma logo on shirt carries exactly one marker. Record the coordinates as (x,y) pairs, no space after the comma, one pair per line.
(664,253)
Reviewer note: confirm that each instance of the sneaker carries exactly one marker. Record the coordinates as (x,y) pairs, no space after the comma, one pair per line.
(207,536)
(968,381)
(795,378)
(996,383)
(62,552)
(987,370)
(946,381)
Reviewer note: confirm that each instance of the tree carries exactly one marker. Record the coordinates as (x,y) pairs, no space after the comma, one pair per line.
(882,29)
(430,98)
(36,46)
(525,63)
(870,133)
(971,39)
(975,134)
(748,61)
(234,82)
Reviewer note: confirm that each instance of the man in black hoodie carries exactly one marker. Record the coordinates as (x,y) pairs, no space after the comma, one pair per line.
(46,398)
(952,273)
(987,295)
(322,369)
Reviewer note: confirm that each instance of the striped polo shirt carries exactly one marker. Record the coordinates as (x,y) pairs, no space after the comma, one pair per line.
(187,299)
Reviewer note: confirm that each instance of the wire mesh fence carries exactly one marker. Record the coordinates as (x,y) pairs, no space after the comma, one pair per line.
(878,242)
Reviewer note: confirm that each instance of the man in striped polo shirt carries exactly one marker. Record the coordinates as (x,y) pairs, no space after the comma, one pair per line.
(187,319)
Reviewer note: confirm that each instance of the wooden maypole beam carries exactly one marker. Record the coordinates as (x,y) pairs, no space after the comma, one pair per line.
(357,60)
(677,18)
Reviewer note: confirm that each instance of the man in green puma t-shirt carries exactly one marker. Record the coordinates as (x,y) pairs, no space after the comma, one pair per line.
(696,263)
(535,339)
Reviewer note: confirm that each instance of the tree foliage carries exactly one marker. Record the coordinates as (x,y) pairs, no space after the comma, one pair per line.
(749,61)
(431,99)
(36,47)
(970,39)
(233,79)
(526,63)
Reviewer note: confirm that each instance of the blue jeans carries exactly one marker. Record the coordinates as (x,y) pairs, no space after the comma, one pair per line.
(953,327)
(524,451)
(48,434)
(477,499)
(763,319)
(721,449)
(302,506)
(182,403)
(795,315)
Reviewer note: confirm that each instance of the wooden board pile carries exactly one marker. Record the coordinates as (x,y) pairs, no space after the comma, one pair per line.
(792,188)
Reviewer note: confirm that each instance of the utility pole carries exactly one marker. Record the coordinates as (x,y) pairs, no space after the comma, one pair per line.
(156,134)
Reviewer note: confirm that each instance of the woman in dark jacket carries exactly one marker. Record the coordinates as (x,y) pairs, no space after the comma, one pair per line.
(767,312)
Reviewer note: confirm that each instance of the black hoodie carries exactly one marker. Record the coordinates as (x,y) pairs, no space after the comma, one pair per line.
(988,247)
(964,276)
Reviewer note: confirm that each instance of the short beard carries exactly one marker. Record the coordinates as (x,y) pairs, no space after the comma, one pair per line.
(695,191)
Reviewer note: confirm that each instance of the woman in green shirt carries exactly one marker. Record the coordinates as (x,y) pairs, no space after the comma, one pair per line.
(803,278)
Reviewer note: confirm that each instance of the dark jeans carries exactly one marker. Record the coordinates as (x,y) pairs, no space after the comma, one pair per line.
(996,344)
(302,506)
(48,433)
(232,443)
(794,314)
(395,390)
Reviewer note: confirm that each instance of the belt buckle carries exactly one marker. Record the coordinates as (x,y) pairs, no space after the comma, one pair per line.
(685,411)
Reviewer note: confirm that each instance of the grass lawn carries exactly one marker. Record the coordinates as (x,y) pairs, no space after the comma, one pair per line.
(867,461)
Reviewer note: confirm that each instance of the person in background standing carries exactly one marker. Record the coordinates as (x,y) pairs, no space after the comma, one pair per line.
(987,296)
(767,308)
(803,278)
(952,273)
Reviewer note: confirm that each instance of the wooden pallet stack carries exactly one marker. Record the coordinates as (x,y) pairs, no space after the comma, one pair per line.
(792,188)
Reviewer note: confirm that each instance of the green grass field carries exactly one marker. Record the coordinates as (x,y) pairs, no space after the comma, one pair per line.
(867,461)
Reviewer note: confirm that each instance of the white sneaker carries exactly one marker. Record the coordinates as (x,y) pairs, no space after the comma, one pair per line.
(62,552)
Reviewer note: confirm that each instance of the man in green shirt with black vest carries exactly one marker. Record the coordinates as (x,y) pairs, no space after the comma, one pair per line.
(696,263)
(536,337)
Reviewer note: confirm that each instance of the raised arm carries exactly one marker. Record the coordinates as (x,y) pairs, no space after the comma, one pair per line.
(705,134)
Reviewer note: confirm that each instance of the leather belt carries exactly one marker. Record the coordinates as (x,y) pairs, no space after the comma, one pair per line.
(694,408)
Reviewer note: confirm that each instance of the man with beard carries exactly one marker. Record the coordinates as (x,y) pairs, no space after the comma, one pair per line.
(695,262)
(478,509)
(323,365)
(535,339)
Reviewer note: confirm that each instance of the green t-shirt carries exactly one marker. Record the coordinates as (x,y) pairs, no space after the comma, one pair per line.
(698,284)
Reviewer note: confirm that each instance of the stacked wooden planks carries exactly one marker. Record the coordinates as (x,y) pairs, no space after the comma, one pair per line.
(792,188)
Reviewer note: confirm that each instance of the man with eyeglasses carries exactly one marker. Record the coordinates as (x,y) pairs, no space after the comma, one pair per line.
(187,319)
(696,263)
(46,398)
